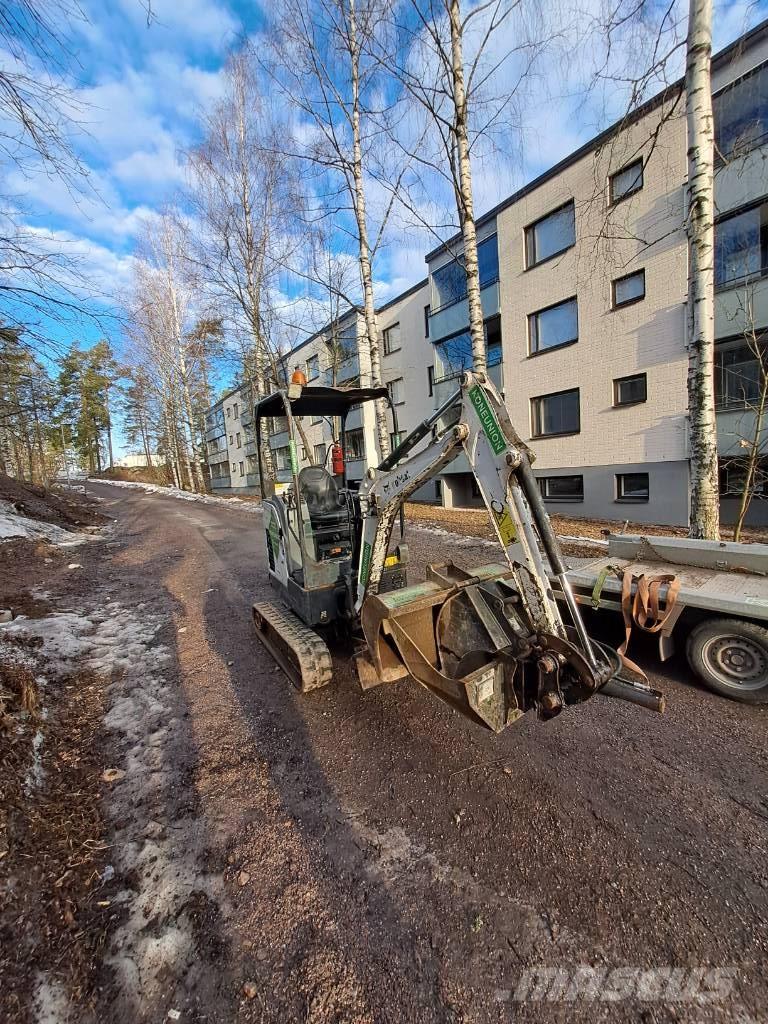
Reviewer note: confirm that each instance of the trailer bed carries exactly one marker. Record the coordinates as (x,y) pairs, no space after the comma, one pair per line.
(714,590)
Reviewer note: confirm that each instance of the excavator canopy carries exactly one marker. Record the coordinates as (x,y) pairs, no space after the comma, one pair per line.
(319,401)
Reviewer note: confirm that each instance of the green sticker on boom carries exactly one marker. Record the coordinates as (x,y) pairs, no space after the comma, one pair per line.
(365,563)
(488,420)
(294,460)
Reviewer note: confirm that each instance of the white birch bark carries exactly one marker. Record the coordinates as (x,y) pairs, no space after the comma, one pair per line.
(364,248)
(464,197)
(705,498)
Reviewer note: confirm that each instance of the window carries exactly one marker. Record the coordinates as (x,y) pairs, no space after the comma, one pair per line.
(395,438)
(242,469)
(738,375)
(229,411)
(303,454)
(391,339)
(231,440)
(741,114)
(632,487)
(552,327)
(733,478)
(449,282)
(282,458)
(431,379)
(556,414)
(741,245)
(234,410)
(239,442)
(396,391)
(551,235)
(426,321)
(626,182)
(630,390)
(355,444)
(313,368)
(562,488)
(234,467)
(319,454)
(628,289)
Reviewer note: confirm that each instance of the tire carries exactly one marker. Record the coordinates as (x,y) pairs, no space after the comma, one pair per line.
(730,656)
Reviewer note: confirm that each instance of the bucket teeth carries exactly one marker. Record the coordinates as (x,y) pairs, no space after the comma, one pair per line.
(298,650)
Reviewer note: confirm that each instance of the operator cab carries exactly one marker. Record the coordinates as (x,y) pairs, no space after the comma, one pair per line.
(312,518)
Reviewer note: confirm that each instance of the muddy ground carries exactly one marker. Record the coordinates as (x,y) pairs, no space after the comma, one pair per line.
(344,856)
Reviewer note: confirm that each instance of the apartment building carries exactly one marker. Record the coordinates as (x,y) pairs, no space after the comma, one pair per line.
(584,285)
(583,277)
(334,356)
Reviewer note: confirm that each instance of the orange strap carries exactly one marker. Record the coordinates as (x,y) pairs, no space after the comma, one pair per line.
(643,611)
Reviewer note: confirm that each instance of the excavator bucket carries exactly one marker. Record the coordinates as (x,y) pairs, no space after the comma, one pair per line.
(465,637)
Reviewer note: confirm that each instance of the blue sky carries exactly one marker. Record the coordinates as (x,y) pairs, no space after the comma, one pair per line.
(141,88)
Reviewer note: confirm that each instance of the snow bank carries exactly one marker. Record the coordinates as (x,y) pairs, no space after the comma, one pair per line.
(175,492)
(14,526)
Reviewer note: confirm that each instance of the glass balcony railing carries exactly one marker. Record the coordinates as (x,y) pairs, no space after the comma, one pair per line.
(455,317)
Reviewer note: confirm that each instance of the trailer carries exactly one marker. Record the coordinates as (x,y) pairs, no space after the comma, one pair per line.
(711,597)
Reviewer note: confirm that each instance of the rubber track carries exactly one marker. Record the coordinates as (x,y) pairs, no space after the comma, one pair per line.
(297,648)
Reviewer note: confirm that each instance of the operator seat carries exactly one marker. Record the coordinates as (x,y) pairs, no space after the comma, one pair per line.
(318,489)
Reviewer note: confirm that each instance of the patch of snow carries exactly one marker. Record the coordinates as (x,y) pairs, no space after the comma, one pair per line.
(35,773)
(175,492)
(160,848)
(456,539)
(13,526)
(51,1003)
(461,540)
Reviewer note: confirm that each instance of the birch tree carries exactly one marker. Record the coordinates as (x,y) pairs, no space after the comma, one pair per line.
(448,64)
(160,329)
(324,68)
(705,498)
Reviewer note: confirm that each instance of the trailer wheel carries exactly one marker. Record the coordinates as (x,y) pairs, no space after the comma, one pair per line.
(731,658)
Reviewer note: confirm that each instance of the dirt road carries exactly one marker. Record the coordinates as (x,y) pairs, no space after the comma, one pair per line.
(371,857)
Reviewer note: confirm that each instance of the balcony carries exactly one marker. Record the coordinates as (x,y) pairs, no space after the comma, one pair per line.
(444,387)
(279,440)
(217,458)
(454,318)
(218,430)
(347,370)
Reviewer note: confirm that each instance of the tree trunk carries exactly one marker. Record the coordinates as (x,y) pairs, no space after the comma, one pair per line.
(464,197)
(39,438)
(145,438)
(364,249)
(705,498)
(109,431)
(196,468)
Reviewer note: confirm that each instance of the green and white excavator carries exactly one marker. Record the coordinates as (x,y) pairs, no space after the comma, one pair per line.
(493,641)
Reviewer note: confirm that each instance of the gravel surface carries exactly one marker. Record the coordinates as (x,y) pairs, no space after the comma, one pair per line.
(374,857)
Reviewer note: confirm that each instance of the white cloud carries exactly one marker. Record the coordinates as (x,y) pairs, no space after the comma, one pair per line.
(201,23)
(158,168)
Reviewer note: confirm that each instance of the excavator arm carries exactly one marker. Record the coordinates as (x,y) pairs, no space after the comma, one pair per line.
(493,644)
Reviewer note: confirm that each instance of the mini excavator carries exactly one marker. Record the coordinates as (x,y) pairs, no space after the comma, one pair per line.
(494,642)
